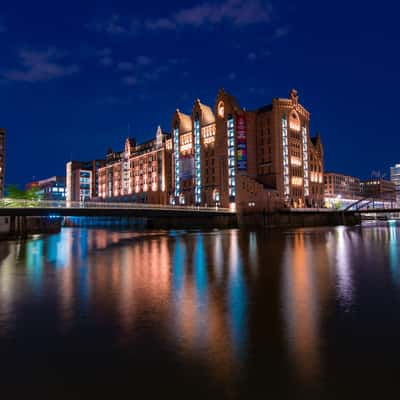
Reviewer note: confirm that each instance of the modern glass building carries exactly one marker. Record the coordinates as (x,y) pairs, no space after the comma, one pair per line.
(395,178)
(53,188)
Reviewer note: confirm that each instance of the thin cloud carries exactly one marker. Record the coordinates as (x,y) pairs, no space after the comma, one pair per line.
(40,66)
(106,61)
(252,56)
(281,32)
(156,73)
(129,80)
(125,66)
(257,90)
(143,60)
(3,27)
(236,12)
(104,52)
(112,25)
(113,100)
(161,23)
(151,74)
(104,56)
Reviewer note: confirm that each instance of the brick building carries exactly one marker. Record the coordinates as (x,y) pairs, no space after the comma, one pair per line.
(379,188)
(260,159)
(140,173)
(221,156)
(340,185)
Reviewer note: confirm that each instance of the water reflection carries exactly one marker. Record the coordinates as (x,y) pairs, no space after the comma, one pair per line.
(343,262)
(394,252)
(237,293)
(229,301)
(300,298)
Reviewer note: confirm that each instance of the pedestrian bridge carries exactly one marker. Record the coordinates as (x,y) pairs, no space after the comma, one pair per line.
(71,208)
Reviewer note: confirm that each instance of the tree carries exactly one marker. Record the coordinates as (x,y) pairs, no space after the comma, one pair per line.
(14,196)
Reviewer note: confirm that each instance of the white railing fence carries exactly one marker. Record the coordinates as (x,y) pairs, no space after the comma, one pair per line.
(22,203)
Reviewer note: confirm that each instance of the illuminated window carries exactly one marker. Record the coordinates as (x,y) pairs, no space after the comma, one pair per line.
(305,160)
(294,122)
(231,158)
(297,181)
(221,109)
(197,158)
(285,158)
(186,142)
(176,161)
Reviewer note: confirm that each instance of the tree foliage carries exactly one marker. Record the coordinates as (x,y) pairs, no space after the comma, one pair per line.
(14,195)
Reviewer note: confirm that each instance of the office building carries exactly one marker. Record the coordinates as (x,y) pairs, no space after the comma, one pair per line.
(52,188)
(380,189)
(82,180)
(395,178)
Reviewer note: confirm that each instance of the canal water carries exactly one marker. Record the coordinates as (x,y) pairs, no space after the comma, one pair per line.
(300,314)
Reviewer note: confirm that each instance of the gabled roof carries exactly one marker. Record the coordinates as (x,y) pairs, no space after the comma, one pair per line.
(207,115)
(185,121)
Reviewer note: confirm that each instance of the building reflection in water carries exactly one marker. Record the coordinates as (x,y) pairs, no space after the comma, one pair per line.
(343,266)
(393,252)
(209,320)
(237,293)
(191,286)
(218,257)
(34,263)
(252,253)
(8,286)
(65,279)
(300,304)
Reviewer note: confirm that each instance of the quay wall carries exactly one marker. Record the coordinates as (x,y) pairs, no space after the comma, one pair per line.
(298,219)
(162,222)
(13,227)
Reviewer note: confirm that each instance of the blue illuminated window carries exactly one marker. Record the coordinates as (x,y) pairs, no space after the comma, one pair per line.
(231,157)
(197,161)
(176,161)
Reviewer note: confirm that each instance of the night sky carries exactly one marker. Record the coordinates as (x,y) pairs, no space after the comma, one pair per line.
(77,76)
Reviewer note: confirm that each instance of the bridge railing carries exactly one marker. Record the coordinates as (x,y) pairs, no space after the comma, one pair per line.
(22,203)
(385,199)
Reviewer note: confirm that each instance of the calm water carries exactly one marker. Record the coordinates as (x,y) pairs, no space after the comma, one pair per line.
(307,313)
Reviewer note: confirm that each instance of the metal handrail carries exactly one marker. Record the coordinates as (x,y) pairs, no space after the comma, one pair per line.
(22,203)
(368,200)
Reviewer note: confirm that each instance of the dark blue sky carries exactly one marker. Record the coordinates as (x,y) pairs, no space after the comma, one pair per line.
(74,75)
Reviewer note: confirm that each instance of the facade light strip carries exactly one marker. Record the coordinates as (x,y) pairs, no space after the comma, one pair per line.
(305,160)
(285,158)
(176,162)
(197,161)
(231,158)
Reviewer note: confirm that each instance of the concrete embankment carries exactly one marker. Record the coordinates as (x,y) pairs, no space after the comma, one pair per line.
(278,219)
(14,227)
(298,218)
(160,222)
